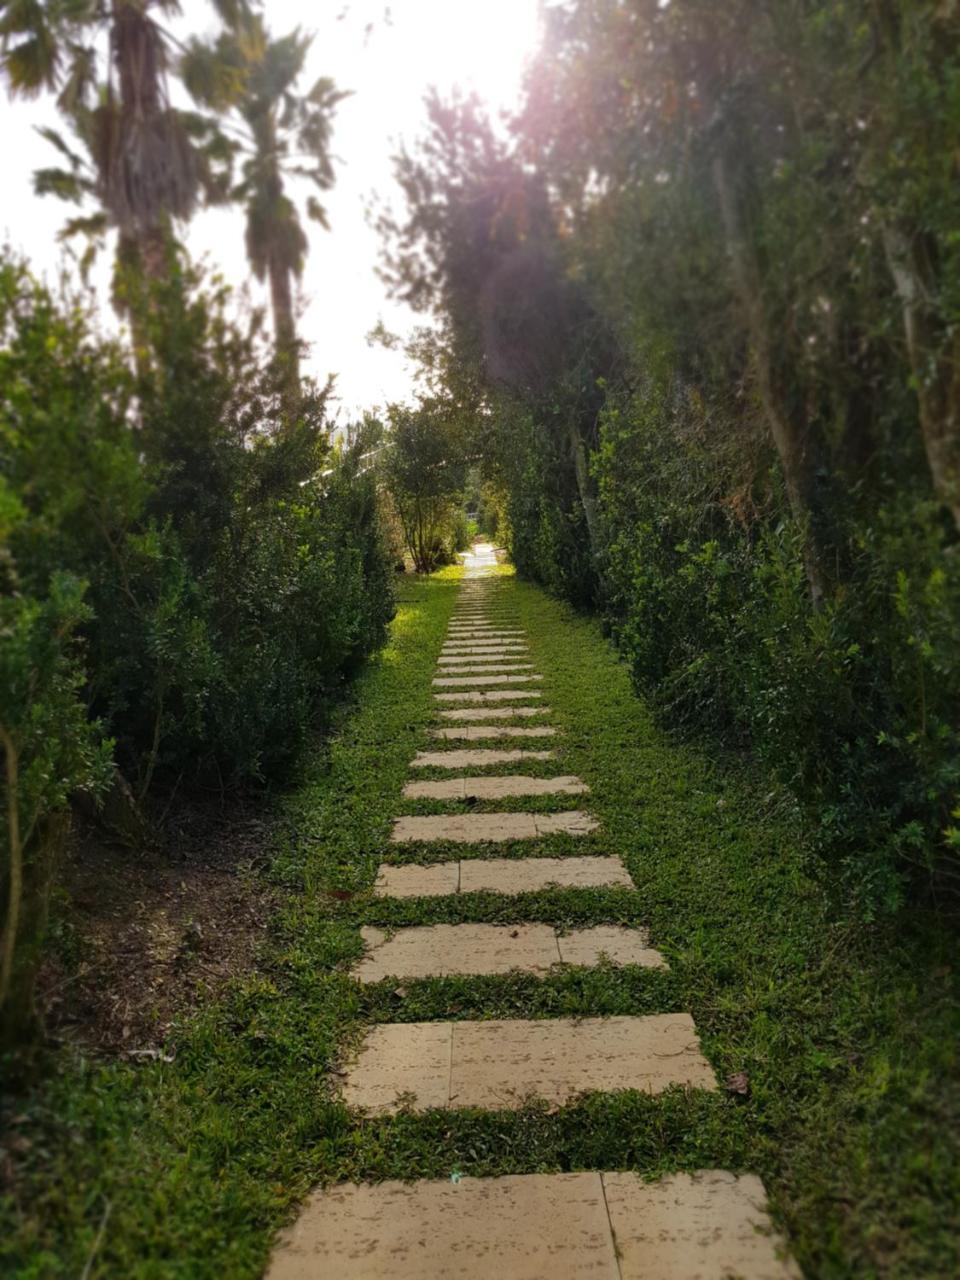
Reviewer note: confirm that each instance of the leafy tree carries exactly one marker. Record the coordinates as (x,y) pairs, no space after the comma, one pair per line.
(139,157)
(424,473)
(279,132)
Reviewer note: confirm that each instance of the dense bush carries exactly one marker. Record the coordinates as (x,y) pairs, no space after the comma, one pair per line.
(190,574)
(852,705)
(710,290)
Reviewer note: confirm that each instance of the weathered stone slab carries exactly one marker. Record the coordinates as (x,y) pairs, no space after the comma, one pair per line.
(484,668)
(418,882)
(514,1228)
(480,682)
(493,661)
(482,828)
(493,713)
(484,633)
(494,788)
(500,1064)
(529,875)
(710,1225)
(500,875)
(439,950)
(467,652)
(474,757)
(572,823)
(618,944)
(401,1065)
(465,828)
(489,695)
(477,732)
(702,1226)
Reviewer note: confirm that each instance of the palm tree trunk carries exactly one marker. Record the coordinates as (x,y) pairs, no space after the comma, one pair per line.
(285,331)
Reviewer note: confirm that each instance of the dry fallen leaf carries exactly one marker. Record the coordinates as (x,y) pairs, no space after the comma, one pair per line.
(739,1083)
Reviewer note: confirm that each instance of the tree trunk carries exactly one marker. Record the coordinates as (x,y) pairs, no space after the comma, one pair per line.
(934,361)
(285,332)
(19,1020)
(797,446)
(588,499)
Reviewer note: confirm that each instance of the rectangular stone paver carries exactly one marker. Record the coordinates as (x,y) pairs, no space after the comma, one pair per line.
(472,651)
(532,1227)
(436,951)
(710,1225)
(500,875)
(493,713)
(478,682)
(474,757)
(439,950)
(481,788)
(529,875)
(618,944)
(477,732)
(488,695)
(496,661)
(476,828)
(502,1063)
(482,668)
(436,881)
(401,1069)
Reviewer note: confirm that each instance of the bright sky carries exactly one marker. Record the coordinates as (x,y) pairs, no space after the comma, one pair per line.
(389,54)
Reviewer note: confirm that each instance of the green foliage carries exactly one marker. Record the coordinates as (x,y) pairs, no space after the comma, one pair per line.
(850,705)
(710,288)
(846,1032)
(187,571)
(424,474)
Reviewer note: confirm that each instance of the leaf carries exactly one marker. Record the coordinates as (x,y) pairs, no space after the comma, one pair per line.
(738,1083)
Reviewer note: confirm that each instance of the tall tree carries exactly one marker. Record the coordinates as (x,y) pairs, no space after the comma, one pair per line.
(144,167)
(279,132)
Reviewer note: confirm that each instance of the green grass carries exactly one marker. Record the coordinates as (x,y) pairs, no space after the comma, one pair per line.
(847,1032)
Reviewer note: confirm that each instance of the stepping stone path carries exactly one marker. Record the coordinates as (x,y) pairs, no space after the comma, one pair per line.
(598,1225)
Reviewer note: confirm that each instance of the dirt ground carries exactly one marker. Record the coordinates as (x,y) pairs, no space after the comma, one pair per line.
(138,937)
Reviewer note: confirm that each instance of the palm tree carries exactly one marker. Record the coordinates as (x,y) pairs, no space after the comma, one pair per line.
(144,167)
(278,132)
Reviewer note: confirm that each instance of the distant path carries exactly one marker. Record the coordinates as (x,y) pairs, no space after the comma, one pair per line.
(505,819)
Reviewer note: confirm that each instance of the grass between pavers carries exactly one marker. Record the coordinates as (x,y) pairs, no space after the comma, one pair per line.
(847,1033)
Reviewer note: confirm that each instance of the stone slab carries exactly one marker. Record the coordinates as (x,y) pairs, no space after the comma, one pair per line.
(475,633)
(500,1064)
(500,875)
(572,823)
(488,695)
(494,788)
(481,828)
(441,950)
(414,881)
(474,758)
(703,1226)
(493,660)
(618,944)
(529,875)
(709,1225)
(479,682)
(483,668)
(521,1227)
(493,713)
(400,1065)
(477,732)
(470,651)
